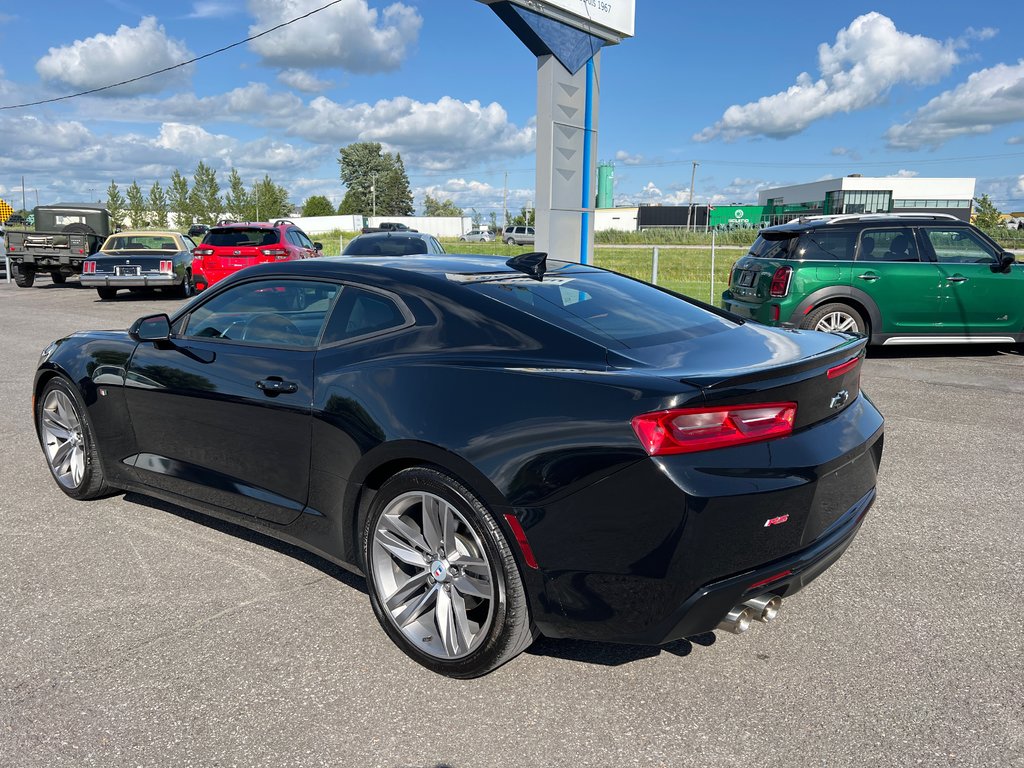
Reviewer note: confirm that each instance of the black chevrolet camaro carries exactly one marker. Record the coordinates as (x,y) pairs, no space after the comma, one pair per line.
(503,449)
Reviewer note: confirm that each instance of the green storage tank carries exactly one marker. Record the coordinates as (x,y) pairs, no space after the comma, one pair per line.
(605,184)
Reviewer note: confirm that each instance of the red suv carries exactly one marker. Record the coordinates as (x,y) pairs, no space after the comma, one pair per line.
(231,246)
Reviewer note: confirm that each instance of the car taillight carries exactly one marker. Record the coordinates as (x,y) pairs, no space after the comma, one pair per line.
(278,253)
(88,267)
(780,282)
(686,430)
(167,267)
(732,273)
(199,253)
(836,371)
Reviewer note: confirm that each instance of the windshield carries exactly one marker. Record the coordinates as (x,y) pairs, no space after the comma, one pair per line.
(241,236)
(606,307)
(140,243)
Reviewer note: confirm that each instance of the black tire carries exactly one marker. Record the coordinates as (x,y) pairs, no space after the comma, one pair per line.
(78,228)
(59,278)
(69,442)
(835,317)
(187,287)
(510,241)
(24,276)
(485,592)
(107,294)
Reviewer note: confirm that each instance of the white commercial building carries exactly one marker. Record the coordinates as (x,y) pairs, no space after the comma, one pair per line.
(869,194)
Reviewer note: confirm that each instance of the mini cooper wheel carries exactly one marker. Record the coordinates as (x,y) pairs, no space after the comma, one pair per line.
(66,436)
(442,579)
(835,318)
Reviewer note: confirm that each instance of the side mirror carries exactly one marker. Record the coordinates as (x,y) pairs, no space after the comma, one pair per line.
(1006,260)
(151,328)
(318,246)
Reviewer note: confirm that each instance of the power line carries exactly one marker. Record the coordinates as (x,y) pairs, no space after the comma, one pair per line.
(173,66)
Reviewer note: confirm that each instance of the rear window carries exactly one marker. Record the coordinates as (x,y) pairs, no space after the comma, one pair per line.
(241,236)
(386,246)
(772,249)
(606,308)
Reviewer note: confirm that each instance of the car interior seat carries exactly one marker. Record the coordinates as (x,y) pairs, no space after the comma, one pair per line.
(867,247)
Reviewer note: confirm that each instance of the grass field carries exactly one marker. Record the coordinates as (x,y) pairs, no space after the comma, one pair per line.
(686,271)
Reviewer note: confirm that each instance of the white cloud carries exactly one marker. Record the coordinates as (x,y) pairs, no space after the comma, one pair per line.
(440,135)
(626,158)
(104,59)
(846,152)
(989,97)
(350,36)
(868,58)
(211,9)
(302,80)
(903,173)
(1015,140)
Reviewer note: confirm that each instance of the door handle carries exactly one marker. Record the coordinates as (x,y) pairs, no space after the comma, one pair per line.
(956,279)
(275,386)
(868,276)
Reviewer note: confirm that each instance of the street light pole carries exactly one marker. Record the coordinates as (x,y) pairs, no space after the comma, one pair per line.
(689,212)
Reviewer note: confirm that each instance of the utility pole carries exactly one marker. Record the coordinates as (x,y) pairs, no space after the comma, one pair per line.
(23,194)
(689,212)
(373,191)
(504,204)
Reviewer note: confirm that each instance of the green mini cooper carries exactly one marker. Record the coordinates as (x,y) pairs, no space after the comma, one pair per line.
(897,278)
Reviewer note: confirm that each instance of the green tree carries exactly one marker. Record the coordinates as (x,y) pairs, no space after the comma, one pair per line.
(115,205)
(317,205)
(158,206)
(478,218)
(375,180)
(138,211)
(434,207)
(236,200)
(205,195)
(986,215)
(269,200)
(495,227)
(180,201)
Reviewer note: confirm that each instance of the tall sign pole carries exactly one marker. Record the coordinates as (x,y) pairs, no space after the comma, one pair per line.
(566,36)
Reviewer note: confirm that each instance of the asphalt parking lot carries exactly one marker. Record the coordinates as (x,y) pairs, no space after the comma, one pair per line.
(135,633)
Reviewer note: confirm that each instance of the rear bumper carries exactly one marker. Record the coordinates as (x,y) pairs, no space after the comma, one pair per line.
(130,281)
(665,548)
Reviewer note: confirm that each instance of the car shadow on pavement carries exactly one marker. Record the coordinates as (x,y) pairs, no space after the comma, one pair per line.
(927,352)
(347,578)
(614,654)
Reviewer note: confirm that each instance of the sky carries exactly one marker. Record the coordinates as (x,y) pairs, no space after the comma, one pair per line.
(759,94)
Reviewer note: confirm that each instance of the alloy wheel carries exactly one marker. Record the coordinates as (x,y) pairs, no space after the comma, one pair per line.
(63,439)
(837,322)
(434,576)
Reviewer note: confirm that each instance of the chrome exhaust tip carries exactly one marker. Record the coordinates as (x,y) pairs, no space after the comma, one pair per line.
(737,620)
(764,608)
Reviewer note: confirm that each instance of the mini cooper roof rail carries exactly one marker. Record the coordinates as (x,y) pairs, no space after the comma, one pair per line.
(885,217)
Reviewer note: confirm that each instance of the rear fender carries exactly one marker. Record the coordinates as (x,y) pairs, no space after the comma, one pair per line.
(842,294)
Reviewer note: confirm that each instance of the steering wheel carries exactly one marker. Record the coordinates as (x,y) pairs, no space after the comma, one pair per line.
(271,328)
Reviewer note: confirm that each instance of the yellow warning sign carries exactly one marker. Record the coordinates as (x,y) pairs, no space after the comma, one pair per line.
(5,211)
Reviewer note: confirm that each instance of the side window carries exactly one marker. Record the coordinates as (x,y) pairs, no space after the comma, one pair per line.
(826,245)
(293,238)
(436,247)
(304,241)
(273,313)
(190,244)
(360,312)
(895,244)
(959,246)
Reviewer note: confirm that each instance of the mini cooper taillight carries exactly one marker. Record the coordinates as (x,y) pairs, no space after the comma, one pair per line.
(88,267)
(780,282)
(687,430)
(167,267)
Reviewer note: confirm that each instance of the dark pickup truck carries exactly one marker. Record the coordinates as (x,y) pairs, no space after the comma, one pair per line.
(389,226)
(65,235)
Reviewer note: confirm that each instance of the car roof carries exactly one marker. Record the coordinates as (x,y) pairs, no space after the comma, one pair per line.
(805,223)
(393,235)
(161,232)
(419,269)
